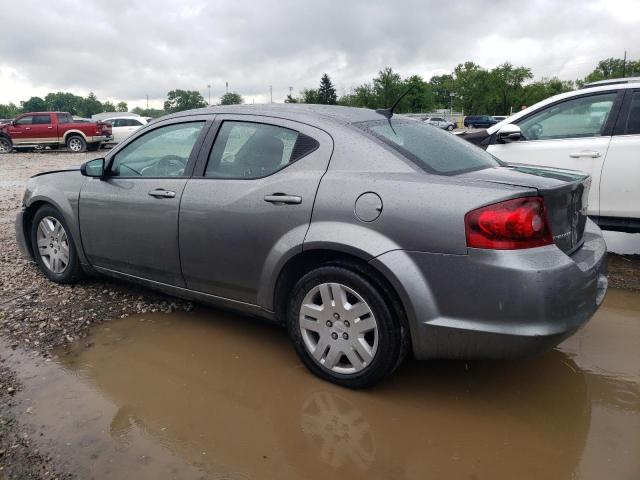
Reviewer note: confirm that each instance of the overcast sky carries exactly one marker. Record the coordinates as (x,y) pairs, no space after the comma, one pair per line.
(125,50)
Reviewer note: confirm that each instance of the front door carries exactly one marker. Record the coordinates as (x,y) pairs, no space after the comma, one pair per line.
(251,203)
(573,134)
(129,220)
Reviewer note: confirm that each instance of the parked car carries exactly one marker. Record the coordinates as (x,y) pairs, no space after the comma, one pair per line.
(499,118)
(440,123)
(314,216)
(122,127)
(53,129)
(479,121)
(595,130)
(5,120)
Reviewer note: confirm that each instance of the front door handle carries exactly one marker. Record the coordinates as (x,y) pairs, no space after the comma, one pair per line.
(585,153)
(162,193)
(282,199)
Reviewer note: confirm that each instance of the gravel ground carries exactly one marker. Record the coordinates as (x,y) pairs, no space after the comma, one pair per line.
(38,315)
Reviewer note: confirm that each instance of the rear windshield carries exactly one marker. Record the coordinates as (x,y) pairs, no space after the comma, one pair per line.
(431,148)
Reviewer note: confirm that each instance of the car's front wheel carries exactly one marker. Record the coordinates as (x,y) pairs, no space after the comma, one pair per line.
(5,145)
(450,127)
(343,328)
(53,247)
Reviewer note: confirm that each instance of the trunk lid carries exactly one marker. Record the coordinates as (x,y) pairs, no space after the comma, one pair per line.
(565,194)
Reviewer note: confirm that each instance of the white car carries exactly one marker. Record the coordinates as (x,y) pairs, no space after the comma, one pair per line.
(594,130)
(122,127)
(440,123)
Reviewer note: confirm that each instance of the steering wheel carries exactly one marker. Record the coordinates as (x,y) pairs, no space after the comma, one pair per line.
(170,166)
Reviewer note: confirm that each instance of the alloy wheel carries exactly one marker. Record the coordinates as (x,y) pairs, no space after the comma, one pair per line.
(75,145)
(338,328)
(53,244)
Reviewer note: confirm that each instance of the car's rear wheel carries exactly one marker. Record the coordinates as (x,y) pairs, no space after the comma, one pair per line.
(76,144)
(343,328)
(450,127)
(5,145)
(53,247)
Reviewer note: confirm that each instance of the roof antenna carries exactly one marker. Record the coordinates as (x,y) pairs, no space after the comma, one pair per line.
(388,112)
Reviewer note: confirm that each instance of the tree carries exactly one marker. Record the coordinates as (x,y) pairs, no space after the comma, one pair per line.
(387,87)
(90,106)
(612,68)
(179,100)
(506,87)
(442,87)
(64,102)
(231,98)
(327,92)
(34,104)
(470,86)
(108,106)
(122,107)
(310,95)
(9,110)
(148,112)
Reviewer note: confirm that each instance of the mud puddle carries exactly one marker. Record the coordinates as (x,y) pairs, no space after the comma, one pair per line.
(212,395)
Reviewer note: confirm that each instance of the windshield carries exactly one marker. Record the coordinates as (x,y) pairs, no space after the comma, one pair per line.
(432,149)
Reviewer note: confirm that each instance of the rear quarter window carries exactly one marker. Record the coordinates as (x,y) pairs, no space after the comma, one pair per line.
(431,149)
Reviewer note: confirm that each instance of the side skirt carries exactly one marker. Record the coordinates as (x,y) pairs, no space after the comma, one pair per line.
(185,293)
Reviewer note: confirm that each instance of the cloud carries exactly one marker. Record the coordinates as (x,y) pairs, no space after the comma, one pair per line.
(125,50)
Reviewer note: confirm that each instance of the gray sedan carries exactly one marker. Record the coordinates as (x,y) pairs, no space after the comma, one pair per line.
(368,237)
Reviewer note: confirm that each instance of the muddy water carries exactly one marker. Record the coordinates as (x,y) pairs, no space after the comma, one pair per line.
(212,395)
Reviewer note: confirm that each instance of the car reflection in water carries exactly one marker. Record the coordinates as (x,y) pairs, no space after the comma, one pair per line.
(227,386)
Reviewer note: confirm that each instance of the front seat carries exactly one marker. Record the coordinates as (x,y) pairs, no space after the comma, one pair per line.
(260,156)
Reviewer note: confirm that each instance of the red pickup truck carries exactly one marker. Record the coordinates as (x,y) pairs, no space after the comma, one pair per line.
(53,129)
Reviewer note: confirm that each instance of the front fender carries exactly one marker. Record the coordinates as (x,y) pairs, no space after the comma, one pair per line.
(64,195)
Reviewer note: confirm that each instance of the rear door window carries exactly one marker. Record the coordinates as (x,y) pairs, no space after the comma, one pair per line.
(432,149)
(247,150)
(41,120)
(633,120)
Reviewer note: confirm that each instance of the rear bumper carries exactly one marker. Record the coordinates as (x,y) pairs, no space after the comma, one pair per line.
(497,304)
(100,138)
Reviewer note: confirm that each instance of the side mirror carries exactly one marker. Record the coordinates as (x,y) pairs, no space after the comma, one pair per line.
(93,168)
(509,133)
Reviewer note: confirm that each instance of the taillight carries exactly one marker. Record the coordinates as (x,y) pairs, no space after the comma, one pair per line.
(512,224)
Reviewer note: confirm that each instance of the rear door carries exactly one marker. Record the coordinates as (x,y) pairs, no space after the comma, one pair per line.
(129,220)
(620,181)
(573,133)
(249,203)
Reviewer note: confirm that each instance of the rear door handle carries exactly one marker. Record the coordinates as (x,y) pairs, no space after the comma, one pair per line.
(283,198)
(585,153)
(162,193)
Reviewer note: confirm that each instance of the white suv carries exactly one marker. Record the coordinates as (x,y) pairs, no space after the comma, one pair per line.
(123,126)
(595,130)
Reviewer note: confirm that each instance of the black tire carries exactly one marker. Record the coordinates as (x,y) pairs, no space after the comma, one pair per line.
(73,271)
(392,336)
(76,144)
(93,147)
(450,128)
(5,145)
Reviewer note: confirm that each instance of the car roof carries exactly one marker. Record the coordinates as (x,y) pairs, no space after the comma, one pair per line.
(335,114)
(561,96)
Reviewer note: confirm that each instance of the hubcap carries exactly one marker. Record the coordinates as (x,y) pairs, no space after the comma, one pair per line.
(338,328)
(53,244)
(75,144)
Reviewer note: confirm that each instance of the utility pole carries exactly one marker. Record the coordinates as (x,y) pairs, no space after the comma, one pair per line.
(624,65)
(209,87)
(270,93)
(290,93)
(227,84)
(147,101)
